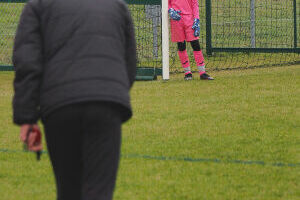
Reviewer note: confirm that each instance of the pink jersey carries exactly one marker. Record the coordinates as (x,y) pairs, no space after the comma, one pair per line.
(187,7)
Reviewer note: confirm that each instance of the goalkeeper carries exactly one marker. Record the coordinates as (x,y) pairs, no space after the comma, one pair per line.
(185,26)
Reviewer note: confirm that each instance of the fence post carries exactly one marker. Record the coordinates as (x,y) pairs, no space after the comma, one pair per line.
(295,24)
(253,22)
(208,28)
(153,12)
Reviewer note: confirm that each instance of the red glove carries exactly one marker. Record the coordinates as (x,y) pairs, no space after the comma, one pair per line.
(31,136)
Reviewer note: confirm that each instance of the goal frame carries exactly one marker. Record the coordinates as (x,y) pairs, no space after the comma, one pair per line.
(165,41)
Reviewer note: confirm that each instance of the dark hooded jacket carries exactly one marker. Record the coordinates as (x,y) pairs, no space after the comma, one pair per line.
(72,51)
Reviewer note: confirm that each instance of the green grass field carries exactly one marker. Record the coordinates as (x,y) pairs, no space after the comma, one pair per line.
(235,138)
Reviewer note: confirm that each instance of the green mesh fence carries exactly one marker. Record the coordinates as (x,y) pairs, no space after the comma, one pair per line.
(242,31)
(272,23)
(9,17)
(256,27)
(244,34)
(234,34)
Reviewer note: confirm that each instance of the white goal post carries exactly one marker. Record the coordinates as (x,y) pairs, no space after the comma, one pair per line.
(165,41)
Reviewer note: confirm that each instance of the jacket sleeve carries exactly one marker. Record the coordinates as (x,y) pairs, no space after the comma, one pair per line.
(195,5)
(28,63)
(130,48)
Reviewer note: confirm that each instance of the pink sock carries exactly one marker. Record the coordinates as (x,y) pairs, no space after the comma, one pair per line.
(185,63)
(198,55)
(184,59)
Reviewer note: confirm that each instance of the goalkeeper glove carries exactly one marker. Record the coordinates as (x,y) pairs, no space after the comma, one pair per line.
(174,14)
(196,27)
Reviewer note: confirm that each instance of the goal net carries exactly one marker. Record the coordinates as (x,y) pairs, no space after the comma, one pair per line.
(243,34)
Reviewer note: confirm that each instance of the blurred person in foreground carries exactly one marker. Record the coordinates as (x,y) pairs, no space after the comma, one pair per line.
(75,62)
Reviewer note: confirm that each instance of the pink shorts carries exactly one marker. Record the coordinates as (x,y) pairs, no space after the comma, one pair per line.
(182,30)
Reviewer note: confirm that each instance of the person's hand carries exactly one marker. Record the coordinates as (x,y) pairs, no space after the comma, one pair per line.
(31,136)
(174,14)
(196,27)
